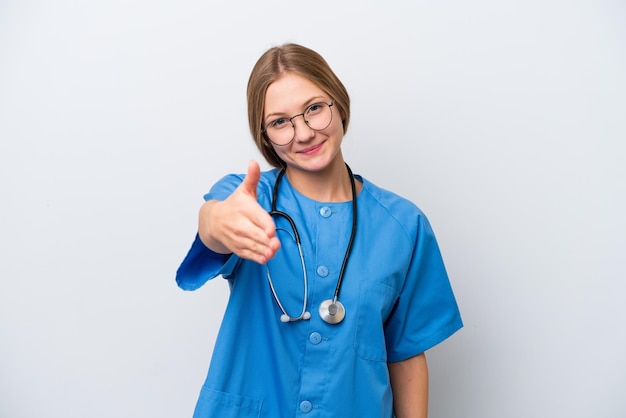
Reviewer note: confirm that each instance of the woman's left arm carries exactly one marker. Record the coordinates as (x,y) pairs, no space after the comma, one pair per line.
(409,383)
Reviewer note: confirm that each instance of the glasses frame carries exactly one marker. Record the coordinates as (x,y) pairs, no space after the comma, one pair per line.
(330,106)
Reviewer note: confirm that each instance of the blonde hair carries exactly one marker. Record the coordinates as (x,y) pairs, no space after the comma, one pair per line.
(284,59)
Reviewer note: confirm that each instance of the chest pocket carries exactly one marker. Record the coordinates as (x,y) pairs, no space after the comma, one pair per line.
(213,403)
(375,303)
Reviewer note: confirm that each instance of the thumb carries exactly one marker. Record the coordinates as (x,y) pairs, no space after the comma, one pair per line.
(251,180)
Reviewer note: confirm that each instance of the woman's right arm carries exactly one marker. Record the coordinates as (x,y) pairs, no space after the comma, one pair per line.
(239,224)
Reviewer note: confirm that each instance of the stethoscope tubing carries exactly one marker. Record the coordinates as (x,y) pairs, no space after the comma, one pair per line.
(285,317)
(352,235)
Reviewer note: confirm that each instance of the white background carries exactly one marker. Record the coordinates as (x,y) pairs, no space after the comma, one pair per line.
(503,120)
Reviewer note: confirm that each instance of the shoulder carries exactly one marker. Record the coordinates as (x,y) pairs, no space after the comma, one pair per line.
(381,203)
(392,202)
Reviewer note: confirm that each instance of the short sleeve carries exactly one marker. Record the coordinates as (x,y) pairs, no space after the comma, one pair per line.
(202,264)
(225,187)
(426,312)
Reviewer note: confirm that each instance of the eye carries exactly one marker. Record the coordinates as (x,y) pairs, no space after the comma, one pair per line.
(278,123)
(315,108)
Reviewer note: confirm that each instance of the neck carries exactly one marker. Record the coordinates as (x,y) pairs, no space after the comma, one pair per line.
(329,185)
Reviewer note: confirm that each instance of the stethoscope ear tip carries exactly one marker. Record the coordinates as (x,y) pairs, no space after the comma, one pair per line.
(307,315)
(284,318)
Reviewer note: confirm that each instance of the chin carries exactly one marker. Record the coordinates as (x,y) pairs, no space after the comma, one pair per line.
(313,166)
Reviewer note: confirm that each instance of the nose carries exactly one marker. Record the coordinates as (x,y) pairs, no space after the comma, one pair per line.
(302,131)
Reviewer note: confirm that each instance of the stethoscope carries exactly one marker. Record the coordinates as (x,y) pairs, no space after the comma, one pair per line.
(331,310)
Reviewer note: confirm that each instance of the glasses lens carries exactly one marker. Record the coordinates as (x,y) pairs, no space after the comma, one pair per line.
(280,131)
(318,116)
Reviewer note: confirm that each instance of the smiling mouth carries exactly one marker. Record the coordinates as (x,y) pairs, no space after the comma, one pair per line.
(311,149)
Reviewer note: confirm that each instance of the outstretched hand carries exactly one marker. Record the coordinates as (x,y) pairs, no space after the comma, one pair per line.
(239,224)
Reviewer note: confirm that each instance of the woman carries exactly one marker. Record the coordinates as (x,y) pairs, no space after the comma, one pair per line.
(337,286)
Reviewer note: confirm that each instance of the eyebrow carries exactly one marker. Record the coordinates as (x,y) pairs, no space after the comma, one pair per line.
(312,100)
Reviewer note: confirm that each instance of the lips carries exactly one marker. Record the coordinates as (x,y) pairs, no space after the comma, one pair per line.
(311,150)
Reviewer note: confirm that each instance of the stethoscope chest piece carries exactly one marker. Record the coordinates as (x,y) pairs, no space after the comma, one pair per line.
(332,311)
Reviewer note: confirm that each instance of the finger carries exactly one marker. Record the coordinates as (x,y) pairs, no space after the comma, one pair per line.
(256,248)
(248,234)
(251,181)
(274,245)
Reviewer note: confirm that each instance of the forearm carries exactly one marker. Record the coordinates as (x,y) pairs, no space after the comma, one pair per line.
(409,383)
(204,231)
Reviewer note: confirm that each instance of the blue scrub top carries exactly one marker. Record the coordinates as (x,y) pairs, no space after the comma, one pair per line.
(396,293)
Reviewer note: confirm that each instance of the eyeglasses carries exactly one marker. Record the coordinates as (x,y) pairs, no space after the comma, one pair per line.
(282,131)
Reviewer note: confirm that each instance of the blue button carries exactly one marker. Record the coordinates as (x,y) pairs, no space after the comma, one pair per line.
(322,271)
(315,338)
(306,406)
(326,212)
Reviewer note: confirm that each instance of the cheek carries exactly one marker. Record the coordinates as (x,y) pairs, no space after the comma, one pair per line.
(337,127)
(281,150)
